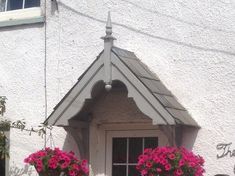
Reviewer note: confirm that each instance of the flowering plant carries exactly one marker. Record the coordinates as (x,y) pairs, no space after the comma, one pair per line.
(49,162)
(170,161)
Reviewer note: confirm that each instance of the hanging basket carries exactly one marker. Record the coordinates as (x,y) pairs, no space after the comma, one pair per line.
(55,162)
(163,161)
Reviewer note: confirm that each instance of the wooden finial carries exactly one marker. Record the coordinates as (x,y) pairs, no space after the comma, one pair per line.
(108,44)
(108,30)
(109,25)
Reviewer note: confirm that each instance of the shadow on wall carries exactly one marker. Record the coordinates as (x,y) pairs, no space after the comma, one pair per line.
(16,171)
(54,7)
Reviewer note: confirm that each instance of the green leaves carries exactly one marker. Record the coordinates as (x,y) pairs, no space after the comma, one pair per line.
(2,105)
(5,125)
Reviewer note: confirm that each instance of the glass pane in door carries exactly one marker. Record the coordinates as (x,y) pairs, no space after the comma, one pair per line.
(132,171)
(125,152)
(119,171)
(150,142)
(119,150)
(135,149)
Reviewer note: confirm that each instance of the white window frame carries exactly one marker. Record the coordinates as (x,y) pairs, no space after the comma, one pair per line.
(23,6)
(21,16)
(162,140)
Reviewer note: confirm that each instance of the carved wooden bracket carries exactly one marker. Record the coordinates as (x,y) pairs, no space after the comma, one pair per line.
(81,137)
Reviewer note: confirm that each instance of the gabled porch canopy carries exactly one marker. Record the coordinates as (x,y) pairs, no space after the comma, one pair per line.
(115,64)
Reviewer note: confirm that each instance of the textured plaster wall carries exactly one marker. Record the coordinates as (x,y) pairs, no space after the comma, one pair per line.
(189,44)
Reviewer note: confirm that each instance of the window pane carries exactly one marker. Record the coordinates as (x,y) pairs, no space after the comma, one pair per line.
(2,166)
(14,4)
(135,149)
(150,142)
(2,5)
(119,171)
(32,3)
(119,150)
(133,171)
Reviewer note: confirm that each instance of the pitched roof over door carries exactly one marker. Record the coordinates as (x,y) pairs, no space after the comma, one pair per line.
(149,93)
(155,86)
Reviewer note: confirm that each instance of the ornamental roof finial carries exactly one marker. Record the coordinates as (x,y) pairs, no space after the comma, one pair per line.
(109,25)
(108,44)
(108,30)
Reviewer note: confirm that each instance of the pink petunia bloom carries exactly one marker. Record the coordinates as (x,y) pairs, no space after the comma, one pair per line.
(167,167)
(171,156)
(159,170)
(144,172)
(181,162)
(72,173)
(178,172)
(148,164)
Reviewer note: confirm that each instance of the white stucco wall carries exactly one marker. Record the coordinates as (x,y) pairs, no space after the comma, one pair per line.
(189,44)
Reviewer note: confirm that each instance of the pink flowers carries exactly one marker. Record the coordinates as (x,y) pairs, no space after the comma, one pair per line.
(51,162)
(170,161)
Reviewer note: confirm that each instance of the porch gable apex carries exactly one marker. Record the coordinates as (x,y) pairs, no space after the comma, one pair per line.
(150,95)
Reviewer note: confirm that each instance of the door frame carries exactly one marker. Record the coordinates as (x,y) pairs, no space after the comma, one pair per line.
(109,134)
